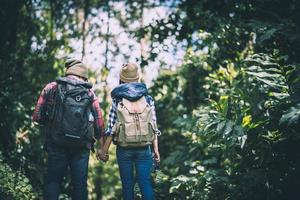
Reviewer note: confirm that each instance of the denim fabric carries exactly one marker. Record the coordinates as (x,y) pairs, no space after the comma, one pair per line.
(141,160)
(58,162)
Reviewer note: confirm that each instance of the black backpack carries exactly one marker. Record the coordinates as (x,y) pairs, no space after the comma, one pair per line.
(69,116)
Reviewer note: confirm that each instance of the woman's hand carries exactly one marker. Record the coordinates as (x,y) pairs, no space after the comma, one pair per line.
(102,153)
(156,156)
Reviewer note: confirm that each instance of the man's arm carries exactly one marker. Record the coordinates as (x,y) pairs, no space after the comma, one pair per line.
(98,120)
(39,114)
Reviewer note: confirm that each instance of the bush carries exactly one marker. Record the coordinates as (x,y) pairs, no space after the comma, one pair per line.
(14,184)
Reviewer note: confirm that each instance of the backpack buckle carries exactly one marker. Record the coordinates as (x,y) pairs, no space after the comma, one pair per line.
(78,98)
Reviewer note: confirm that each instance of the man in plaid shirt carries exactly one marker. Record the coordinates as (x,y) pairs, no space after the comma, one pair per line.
(60,157)
(39,114)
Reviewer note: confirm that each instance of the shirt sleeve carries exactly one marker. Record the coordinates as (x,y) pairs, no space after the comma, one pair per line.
(112,118)
(152,106)
(98,117)
(39,114)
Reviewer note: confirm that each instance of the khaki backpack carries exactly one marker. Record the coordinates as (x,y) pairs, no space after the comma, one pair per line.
(134,126)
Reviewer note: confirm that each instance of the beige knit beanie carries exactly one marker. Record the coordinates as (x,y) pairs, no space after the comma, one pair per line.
(129,73)
(76,67)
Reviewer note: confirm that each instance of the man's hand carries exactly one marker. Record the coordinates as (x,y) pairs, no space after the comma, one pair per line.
(102,155)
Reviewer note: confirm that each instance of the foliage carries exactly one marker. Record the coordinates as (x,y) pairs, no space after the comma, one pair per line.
(14,184)
(229,113)
(237,137)
(238,142)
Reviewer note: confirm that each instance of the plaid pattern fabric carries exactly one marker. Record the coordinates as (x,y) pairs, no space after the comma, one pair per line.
(39,114)
(113,114)
(98,117)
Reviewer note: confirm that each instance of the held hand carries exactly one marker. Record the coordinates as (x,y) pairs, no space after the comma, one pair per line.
(102,155)
(99,152)
(105,157)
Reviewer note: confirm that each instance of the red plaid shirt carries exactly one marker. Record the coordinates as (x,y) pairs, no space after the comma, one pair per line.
(39,114)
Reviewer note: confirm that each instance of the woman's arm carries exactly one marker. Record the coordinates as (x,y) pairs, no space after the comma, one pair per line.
(157,133)
(103,152)
(155,149)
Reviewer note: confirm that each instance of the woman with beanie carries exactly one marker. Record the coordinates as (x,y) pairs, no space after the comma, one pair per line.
(132,126)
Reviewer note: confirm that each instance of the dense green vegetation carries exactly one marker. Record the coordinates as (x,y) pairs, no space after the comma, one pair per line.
(229,113)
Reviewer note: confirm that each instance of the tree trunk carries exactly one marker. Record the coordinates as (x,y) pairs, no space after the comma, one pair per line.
(51,20)
(106,68)
(142,40)
(86,11)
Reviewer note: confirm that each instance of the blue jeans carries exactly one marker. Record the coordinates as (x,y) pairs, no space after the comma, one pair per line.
(58,162)
(141,160)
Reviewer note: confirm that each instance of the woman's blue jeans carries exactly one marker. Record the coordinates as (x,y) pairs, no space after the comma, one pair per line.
(58,162)
(139,159)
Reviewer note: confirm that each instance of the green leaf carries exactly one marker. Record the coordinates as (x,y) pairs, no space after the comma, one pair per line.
(291,116)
